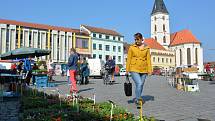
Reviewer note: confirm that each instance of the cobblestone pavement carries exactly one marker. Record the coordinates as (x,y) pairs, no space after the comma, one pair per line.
(162,101)
(9,110)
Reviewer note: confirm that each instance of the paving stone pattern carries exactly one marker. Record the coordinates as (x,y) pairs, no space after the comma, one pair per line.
(9,110)
(162,101)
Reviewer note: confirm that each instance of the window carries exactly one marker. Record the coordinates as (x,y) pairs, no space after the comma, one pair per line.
(155,18)
(164,39)
(106,57)
(82,43)
(94,55)
(38,42)
(180,51)
(114,57)
(119,58)
(100,36)
(107,37)
(188,56)
(170,60)
(196,55)
(94,46)
(153,59)
(114,48)
(155,28)
(114,38)
(155,38)
(94,35)
(100,56)
(7,39)
(119,48)
(100,46)
(158,59)
(167,60)
(162,60)
(119,38)
(164,28)
(107,47)
(163,17)
(30,39)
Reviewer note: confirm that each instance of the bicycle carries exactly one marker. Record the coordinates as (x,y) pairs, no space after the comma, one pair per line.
(107,78)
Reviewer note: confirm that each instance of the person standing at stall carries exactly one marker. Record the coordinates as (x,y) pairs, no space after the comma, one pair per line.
(28,70)
(85,72)
(73,66)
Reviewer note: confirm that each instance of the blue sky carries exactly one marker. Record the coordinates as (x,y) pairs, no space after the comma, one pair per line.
(125,16)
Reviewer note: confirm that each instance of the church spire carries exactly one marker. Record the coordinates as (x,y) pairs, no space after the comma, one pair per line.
(159,7)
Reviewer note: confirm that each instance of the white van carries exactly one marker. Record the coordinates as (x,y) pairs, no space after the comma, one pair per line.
(95,66)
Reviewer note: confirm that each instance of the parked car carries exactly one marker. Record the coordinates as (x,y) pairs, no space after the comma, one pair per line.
(156,71)
(123,72)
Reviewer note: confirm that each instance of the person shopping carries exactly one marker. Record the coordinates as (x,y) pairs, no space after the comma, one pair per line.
(138,65)
(72,64)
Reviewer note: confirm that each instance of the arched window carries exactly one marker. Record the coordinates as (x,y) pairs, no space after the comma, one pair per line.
(155,28)
(164,28)
(196,55)
(180,56)
(155,18)
(188,56)
(164,39)
(163,17)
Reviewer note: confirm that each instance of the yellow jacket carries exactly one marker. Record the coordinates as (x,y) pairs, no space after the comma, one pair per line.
(139,60)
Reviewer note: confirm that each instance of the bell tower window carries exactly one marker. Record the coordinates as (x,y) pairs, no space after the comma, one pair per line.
(155,28)
(164,28)
(164,39)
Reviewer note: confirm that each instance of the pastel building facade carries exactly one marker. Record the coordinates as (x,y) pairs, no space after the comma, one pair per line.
(105,43)
(16,34)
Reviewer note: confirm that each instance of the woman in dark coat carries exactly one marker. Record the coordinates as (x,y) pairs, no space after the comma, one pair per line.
(84,72)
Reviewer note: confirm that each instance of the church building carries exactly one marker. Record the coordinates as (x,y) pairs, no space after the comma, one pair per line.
(168,49)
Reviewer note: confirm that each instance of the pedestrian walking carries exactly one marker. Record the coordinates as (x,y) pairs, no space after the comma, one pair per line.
(72,64)
(139,65)
(110,67)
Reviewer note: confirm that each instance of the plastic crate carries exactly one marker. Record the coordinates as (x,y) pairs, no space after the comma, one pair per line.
(51,84)
(41,81)
(41,85)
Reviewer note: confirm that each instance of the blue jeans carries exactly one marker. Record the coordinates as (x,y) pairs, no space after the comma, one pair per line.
(68,79)
(139,79)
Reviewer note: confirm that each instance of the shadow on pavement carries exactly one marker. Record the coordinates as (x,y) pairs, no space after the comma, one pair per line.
(148,98)
(82,90)
(145,98)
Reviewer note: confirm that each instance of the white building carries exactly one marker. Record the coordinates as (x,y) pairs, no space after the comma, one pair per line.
(16,34)
(105,42)
(187,49)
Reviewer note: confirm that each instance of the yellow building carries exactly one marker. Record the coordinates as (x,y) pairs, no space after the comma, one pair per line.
(160,57)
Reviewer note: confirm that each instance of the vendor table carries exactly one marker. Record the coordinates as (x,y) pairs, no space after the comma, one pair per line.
(8,78)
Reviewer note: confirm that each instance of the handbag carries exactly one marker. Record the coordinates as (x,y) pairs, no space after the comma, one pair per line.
(128,87)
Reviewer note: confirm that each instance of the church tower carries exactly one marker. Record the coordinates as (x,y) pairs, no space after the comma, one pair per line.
(160,30)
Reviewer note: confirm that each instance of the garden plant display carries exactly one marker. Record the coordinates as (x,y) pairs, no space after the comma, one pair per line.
(37,108)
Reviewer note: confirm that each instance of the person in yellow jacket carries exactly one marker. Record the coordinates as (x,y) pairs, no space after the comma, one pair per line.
(138,64)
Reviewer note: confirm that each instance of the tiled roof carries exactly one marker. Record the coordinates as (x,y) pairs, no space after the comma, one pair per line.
(153,44)
(102,30)
(183,37)
(38,26)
